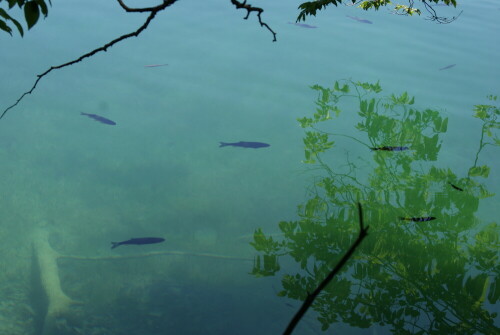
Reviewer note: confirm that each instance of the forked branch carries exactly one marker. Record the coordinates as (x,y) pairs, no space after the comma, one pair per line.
(250,9)
(152,13)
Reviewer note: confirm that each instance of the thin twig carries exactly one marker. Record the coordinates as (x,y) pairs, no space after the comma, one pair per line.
(250,9)
(438,19)
(363,232)
(153,11)
(158,8)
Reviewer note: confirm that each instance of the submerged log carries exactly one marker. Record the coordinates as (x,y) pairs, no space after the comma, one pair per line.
(58,304)
(55,307)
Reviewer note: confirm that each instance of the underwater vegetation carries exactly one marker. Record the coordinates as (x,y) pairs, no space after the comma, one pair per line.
(409,275)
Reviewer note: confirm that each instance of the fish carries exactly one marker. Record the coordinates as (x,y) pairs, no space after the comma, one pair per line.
(254,145)
(303,25)
(99,118)
(447,67)
(359,20)
(138,241)
(421,219)
(155,65)
(389,148)
(456,187)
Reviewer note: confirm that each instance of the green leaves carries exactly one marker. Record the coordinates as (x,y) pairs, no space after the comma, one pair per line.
(408,10)
(368,87)
(31,10)
(403,99)
(440,125)
(263,243)
(43,7)
(325,105)
(12,3)
(366,107)
(405,271)
(31,13)
(446,2)
(5,27)
(311,7)
(265,266)
(315,143)
(344,88)
(489,114)
(483,112)
(479,171)
(375,4)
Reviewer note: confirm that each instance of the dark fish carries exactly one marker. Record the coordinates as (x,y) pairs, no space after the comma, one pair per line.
(422,219)
(138,240)
(359,20)
(303,25)
(155,65)
(456,187)
(389,148)
(99,118)
(254,145)
(447,67)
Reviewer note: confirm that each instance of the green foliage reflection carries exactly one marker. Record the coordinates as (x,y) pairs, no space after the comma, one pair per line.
(427,277)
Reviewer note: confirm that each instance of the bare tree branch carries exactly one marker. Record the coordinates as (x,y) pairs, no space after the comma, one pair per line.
(439,19)
(152,10)
(363,232)
(158,8)
(250,9)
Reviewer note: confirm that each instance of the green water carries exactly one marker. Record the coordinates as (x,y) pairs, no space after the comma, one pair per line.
(160,171)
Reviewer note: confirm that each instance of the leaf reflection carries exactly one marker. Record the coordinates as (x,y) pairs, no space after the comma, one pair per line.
(416,277)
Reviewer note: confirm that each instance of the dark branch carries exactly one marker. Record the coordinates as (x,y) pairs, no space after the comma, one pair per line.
(250,9)
(158,8)
(363,232)
(439,19)
(153,11)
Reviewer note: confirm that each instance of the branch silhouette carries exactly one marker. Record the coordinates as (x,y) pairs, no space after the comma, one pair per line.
(152,14)
(153,11)
(363,232)
(250,9)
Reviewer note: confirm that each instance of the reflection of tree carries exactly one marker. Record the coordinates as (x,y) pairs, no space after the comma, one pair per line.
(416,277)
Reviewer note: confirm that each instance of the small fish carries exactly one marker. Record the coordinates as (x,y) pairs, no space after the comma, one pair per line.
(359,20)
(303,25)
(456,187)
(138,241)
(447,67)
(389,148)
(422,219)
(99,118)
(254,145)
(155,65)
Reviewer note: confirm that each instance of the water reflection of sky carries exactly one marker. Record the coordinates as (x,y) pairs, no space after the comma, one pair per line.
(160,171)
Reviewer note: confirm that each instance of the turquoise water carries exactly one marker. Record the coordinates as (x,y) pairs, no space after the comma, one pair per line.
(160,171)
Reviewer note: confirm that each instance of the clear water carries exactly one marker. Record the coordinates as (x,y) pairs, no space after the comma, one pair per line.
(160,171)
